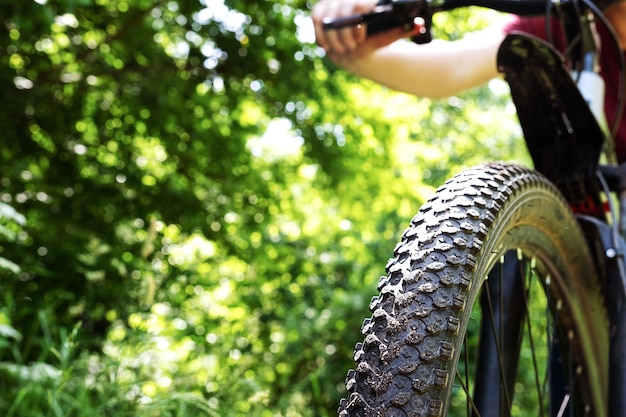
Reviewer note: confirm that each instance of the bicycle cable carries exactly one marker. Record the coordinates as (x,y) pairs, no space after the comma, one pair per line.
(615,233)
(548,21)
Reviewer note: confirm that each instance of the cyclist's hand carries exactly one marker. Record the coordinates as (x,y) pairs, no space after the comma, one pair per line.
(351,43)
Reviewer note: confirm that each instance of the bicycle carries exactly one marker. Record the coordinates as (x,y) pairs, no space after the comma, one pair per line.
(456,315)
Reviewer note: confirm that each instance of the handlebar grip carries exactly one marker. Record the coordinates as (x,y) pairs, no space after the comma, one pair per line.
(342,22)
(388,14)
(382,17)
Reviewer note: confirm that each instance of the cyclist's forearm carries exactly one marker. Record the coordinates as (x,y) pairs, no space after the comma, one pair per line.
(439,69)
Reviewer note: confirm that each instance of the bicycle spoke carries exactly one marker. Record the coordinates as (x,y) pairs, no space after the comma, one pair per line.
(471,405)
(531,341)
(563,407)
(503,381)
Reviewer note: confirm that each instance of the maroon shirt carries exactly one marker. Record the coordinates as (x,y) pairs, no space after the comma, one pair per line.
(609,67)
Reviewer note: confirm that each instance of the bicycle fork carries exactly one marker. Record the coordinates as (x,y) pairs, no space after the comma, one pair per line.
(498,352)
(610,261)
(506,297)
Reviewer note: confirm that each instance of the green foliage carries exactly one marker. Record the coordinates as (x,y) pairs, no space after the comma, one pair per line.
(208,197)
(11,223)
(74,383)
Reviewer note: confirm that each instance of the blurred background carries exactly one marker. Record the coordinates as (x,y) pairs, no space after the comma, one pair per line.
(196,206)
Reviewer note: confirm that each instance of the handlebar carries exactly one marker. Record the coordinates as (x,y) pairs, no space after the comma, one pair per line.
(519,7)
(389,14)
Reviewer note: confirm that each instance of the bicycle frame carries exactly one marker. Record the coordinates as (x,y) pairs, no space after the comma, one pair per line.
(566,138)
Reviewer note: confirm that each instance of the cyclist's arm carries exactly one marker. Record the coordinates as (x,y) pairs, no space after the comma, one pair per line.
(438,69)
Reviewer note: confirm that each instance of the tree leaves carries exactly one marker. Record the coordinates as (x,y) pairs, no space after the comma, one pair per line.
(207,195)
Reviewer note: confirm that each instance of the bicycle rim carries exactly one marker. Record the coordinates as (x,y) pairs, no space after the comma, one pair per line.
(490,306)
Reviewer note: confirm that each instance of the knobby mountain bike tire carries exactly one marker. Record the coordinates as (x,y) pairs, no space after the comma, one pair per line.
(490,306)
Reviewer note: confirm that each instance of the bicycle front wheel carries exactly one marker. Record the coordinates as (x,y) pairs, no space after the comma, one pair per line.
(490,307)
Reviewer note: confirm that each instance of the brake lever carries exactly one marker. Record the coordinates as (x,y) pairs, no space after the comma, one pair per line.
(389,15)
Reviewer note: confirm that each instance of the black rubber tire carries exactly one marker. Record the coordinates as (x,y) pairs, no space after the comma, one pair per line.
(407,363)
